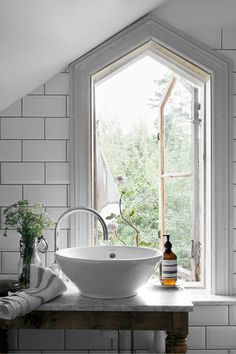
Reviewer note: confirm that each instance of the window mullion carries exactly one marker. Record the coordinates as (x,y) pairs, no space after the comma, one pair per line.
(161,137)
(195,235)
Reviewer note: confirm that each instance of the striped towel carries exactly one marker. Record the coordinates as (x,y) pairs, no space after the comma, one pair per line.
(44,286)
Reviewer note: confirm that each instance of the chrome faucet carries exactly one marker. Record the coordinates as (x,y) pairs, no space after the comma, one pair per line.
(73,211)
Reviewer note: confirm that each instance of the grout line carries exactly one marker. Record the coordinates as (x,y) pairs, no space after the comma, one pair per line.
(228,315)
(66,115)
(22,191)
(18,339)
(227,49)
(22,152)
(65,344)
(44,128)
(51,94)
(21,107)
(1,262)
(221,39)
(33,117)
(30,139)
(66,105)
(1,219)
(45,178)
(67,196)
(67,152)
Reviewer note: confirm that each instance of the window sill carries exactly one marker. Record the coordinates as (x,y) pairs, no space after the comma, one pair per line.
(204,297)
(200,296)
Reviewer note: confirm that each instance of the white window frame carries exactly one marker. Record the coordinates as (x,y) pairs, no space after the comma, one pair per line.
(219,152)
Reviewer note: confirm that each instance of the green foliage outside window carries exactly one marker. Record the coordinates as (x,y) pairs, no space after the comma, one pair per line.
(134,155)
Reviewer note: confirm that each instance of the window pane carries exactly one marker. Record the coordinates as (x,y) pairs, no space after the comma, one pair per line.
(179,218)
(127,130)
(178,130)
(127,108)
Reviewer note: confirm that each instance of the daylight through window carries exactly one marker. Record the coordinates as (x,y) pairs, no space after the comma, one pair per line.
(149,168)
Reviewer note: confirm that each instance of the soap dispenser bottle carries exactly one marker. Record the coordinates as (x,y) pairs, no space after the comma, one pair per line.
(168,269)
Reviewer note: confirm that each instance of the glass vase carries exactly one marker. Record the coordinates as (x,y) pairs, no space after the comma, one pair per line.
(28,255)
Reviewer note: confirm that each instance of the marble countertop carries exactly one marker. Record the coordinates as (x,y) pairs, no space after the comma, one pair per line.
(151,297)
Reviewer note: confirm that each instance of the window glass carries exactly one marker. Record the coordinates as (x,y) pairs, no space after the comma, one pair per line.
(129,180)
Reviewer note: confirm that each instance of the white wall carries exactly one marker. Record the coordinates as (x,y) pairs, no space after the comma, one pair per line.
(34,165)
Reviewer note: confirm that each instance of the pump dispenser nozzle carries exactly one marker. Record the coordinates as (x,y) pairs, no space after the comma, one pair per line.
(167,244)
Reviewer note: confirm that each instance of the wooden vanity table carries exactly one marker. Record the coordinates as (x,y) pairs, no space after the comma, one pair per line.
(153,308)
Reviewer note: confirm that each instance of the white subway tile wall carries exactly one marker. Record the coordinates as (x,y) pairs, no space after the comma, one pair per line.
(57,128)
(34,158)
(11,242)
(44,106)
(196,338)
(233,315)
(22,128)
(10,150)
(23,173)
(10,262)
(221,337)
(79,339)
(44,150)
(33,339)
(14,110)
(209,315)
(57,173)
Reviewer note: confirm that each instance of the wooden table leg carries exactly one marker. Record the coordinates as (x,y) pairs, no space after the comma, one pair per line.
(3,341)
(176,343)
(170,342)
(176,338)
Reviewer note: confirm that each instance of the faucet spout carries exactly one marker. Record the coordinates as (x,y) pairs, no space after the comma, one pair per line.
(76,210)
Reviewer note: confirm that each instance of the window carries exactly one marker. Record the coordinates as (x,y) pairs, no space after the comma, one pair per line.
(200,73)
(147,155)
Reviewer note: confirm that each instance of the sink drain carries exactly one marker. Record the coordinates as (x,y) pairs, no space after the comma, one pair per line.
(112,255)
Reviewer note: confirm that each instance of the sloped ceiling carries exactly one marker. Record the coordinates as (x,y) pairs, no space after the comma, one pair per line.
(40,37)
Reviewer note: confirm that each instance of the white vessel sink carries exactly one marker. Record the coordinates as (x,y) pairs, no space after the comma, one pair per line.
(108,272)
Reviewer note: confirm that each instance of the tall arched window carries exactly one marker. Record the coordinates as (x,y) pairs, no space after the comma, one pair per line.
(163,165)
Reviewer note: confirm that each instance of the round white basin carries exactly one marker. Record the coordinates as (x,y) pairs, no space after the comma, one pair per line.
(108,272)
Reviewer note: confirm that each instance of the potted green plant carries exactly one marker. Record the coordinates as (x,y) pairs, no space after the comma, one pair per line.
(30,221)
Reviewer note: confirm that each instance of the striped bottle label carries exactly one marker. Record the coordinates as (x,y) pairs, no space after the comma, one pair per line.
(169,269)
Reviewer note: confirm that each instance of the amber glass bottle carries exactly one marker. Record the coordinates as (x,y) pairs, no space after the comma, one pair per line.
(168,269)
